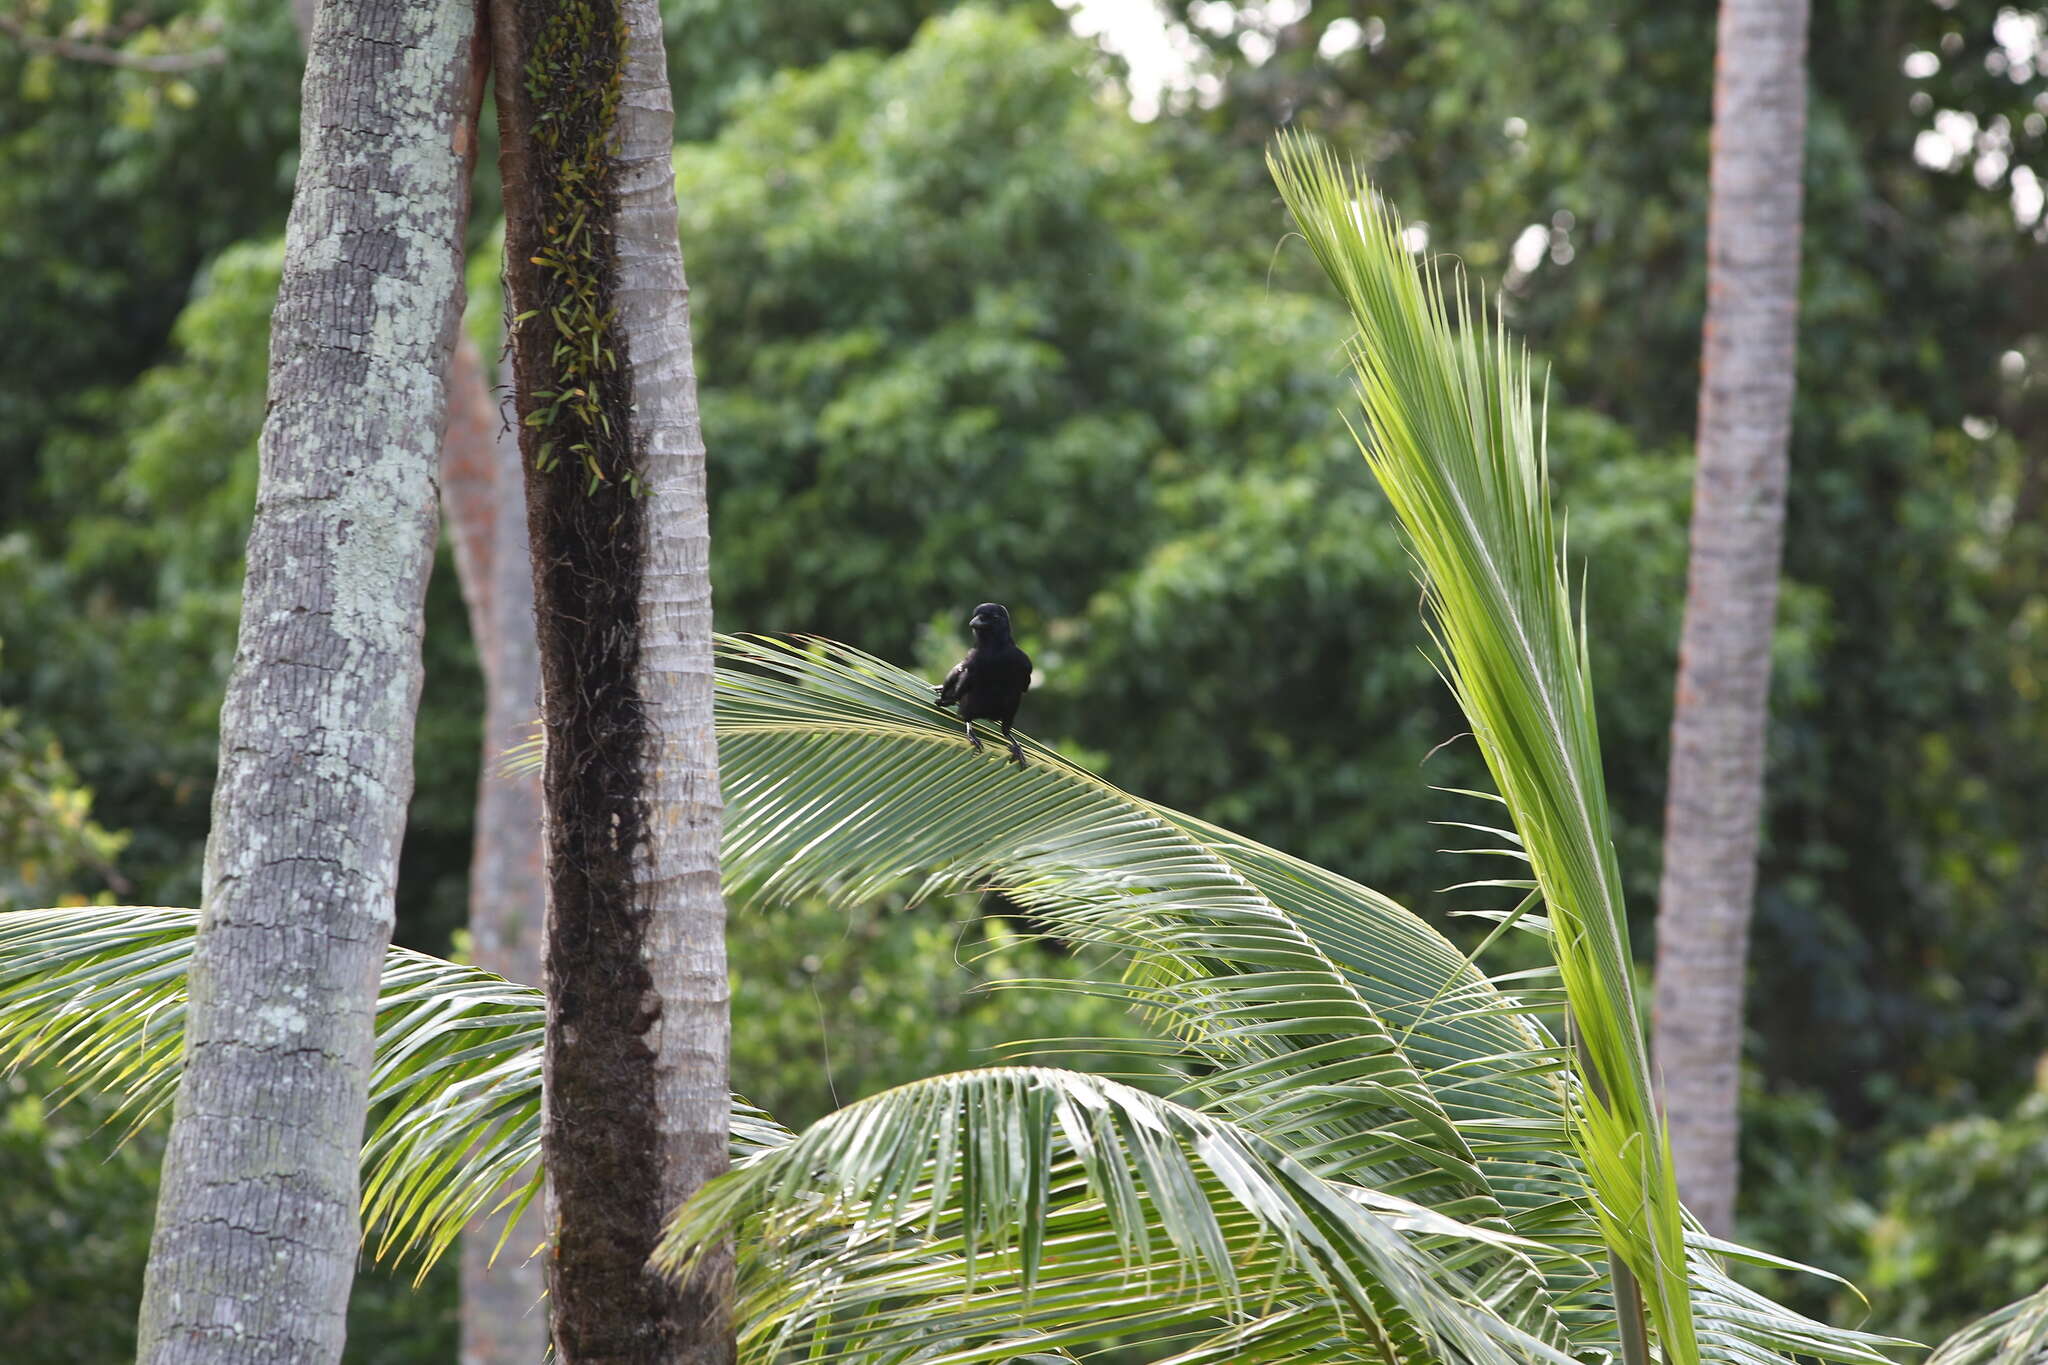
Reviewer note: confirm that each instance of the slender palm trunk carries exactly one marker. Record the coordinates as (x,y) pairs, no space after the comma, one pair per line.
(1713,809)
(256,1233)
(504,1317)
(635,1110)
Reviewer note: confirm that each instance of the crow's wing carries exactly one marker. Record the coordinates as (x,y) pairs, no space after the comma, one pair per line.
(949,690)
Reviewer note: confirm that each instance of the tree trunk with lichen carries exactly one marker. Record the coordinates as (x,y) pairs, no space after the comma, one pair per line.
(1714,804)
(635,1112)
(256,1233)
(504,1316)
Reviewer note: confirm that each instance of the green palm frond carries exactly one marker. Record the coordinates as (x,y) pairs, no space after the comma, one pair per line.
(2016,1334)
(1323,1015)
(966,1214)
(1452,435)
(841,779)
(1739,1326)
(99,994)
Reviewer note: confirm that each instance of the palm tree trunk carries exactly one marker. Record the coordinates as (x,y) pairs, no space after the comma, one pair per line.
(1715,798)
(256,1233)
(504,1318)
(636,1115)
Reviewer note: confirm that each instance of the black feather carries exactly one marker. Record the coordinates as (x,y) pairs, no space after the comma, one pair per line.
(991,681)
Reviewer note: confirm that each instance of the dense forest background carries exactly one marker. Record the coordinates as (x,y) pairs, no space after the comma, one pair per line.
(969,330)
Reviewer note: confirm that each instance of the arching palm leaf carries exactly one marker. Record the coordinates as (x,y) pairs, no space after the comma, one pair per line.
(841,779)
(957,1217)
(1287,982)
(1212,925)
(99,994)
(2016,1334)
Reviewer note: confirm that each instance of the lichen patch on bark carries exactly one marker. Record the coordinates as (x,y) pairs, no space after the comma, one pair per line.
(256,1236)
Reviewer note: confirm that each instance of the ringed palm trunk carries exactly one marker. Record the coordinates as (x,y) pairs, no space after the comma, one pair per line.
(256,1232)
(1715,797)
(635,1114)
(504,1317)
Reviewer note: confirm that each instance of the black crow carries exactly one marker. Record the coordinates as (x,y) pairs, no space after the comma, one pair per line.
(991,680)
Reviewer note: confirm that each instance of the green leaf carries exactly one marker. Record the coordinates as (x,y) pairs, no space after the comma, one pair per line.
(956,1214)
(841,778)
(1454,438)
(99,993)
(2016,1334)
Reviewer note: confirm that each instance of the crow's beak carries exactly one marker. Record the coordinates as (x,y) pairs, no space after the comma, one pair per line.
(979,620)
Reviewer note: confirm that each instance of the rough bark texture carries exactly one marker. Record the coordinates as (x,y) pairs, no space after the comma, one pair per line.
(686,945)
(1715,798)
(256,1232)
(504,1318)
(635,1109)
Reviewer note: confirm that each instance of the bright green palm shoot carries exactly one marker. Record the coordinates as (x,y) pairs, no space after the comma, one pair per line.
(1452,433)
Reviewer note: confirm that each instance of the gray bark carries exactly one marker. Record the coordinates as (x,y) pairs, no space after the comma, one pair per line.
(1715,798)
(256,1233)
(686,942)
(504,1318)
(636,1110)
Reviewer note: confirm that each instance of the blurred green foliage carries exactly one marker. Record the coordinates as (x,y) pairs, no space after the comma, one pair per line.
(113,191)
(965,331)
(832,1002)
(723,53)
(49,842)
(74,1199)
(75,1207)
(1965,1218)
(933,337)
